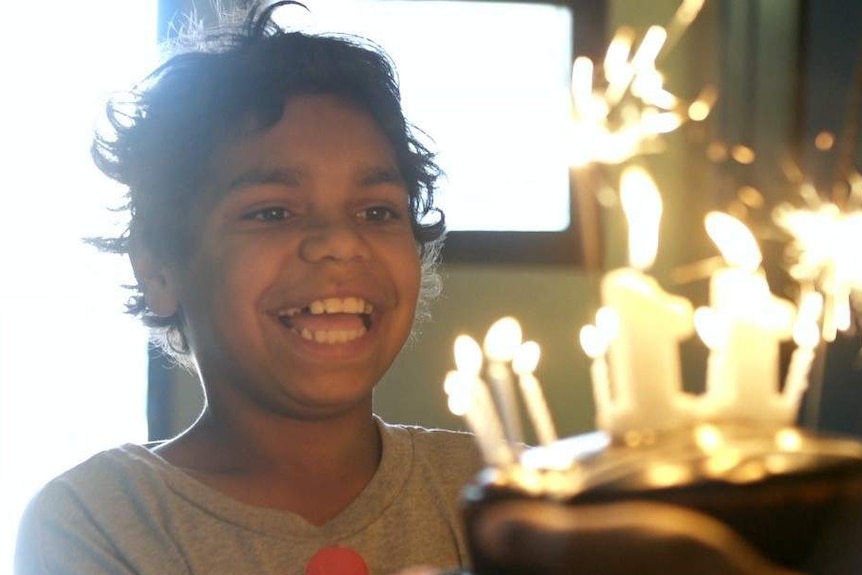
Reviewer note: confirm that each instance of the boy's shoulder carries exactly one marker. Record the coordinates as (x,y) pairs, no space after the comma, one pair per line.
(447,451)
(103,479)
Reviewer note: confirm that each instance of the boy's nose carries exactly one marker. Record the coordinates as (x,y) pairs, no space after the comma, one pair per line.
(334,241)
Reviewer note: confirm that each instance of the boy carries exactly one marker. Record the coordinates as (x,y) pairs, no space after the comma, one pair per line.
(278,231)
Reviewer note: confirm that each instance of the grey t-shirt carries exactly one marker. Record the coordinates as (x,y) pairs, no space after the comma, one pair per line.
(127,511)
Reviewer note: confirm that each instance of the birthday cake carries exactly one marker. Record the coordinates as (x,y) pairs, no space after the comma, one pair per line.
(732,451)
(777,487)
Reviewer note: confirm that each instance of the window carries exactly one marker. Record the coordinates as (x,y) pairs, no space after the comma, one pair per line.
(489,81)
(72,365)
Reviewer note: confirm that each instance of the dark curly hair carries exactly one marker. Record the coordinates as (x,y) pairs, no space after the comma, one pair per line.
(163,135)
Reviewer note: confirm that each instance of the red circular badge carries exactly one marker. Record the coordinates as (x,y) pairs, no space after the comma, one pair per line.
(336,561)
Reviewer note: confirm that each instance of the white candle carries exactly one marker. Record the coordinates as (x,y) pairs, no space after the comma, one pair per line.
(806,335)
(501,343)
(473,391)
(595,346)
(644,357)
(712,329)
(462,403)
(745,374)
(524,364)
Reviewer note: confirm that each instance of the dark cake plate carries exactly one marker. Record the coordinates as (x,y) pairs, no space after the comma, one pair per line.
(778,487)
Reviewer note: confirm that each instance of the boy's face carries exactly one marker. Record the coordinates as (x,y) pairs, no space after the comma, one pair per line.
(302,287)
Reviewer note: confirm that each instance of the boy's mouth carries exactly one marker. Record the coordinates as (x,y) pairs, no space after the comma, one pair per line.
(329,320)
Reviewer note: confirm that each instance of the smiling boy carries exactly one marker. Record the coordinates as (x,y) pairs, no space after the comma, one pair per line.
(278,233)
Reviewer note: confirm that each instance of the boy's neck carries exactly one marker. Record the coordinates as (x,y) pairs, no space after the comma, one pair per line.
(312,468)
(273,444)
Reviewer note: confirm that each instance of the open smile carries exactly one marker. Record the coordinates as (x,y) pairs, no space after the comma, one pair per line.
(330,320)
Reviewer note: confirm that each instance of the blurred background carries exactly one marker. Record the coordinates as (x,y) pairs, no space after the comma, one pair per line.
(532,238)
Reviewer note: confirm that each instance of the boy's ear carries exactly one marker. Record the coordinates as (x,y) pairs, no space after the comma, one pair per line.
(156,280)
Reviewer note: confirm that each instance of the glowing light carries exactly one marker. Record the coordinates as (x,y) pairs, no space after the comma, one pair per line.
(824,254)
(688,11)
(616,58)
(698,111)
(642,205)
(734,240)
(743,154)
(750,196)
(608,322)
(708,437)
(722,460)
(468,355)
(648,51)
(582,82)
(788,439)
(592,341)
(660,122)
(710,327)
(666,474)
(624,118)
(806,332)
(459,403)
(716,152)
(526,358)
(824,141)
(503,339)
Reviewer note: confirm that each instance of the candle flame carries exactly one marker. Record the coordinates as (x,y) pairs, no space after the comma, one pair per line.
(459,403)
(503,339)
(592,342)
(608,323)
(642,205)
(734,240)
(526,358)
(452,383)
(468,355)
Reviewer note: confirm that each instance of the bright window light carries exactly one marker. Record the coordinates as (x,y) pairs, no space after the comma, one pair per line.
(489,81)
(72,366)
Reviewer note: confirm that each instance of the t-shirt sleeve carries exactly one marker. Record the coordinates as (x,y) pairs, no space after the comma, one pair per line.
(56,536)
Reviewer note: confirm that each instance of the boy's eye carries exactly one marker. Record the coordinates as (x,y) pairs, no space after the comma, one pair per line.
(270,214)
(378,214)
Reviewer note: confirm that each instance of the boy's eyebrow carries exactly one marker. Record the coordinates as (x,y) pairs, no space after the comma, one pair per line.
(383,172)
(257,176)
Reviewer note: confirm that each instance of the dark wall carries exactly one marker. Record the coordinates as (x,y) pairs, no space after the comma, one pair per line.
(833,29)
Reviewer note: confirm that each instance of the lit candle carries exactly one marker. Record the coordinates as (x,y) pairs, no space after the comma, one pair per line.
(712,329)
(644,357)
(469,397)
(745,374)
(463,402)
(501,343)
(595,344)
(524,364)
(806,335)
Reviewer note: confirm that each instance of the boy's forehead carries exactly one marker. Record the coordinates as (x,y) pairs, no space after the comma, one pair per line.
(315,129)
(308,125)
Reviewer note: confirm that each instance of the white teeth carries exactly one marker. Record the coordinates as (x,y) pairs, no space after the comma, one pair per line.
(332,336)
(353,305)
(333,305)
(339,305)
